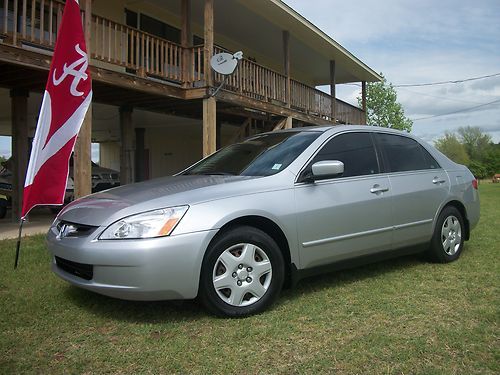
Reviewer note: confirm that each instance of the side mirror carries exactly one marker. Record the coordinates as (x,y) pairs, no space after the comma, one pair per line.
(327,169)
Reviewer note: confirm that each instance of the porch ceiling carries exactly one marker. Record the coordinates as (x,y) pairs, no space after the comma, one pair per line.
(256,28)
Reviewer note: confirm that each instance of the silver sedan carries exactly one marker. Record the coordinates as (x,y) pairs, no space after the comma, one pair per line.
(237,226)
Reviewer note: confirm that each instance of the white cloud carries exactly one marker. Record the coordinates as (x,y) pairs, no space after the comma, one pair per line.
(419,42)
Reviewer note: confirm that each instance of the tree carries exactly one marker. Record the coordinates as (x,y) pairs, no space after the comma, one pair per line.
(382,107)
(476,143)
(482,156)
(451,146)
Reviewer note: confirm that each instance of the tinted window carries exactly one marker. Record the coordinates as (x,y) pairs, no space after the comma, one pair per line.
(404,154)
(355,150)
(262,155)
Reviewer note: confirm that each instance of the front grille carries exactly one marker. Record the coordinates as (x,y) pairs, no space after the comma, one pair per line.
(114,176)
(85,271)
(67,229)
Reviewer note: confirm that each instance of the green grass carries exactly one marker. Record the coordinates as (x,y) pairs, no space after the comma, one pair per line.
(401,316)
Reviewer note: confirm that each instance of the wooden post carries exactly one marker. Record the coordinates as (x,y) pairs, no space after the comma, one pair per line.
(208,49)
(333,81)
(82,169)
(139,154)
(19,106)
(286,62)
(186,42)
(363,100)
(127,145)
(289,122)
(209,126)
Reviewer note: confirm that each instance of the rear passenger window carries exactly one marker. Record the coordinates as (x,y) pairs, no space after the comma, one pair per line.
(404,154)
(355,150)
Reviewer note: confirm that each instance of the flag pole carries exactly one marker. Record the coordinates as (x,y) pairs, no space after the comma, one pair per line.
(18,244)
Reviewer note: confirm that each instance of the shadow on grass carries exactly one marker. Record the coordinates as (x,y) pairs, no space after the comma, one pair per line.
(349,275)
(188,310)
(135,311)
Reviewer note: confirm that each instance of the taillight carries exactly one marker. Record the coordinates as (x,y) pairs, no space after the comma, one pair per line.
(474,183)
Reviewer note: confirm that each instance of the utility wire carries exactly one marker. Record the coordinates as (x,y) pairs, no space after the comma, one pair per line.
(447,82)
(458,111)
(435,83)
(441,97)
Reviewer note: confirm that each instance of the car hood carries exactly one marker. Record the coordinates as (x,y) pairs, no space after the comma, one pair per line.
(110,205)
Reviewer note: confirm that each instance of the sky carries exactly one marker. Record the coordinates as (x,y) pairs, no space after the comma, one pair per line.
(418,42)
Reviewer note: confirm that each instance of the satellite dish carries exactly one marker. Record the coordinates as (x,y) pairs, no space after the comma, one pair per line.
(225,63)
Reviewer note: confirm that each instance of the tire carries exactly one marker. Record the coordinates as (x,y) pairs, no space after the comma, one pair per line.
(242,273)
(448,238)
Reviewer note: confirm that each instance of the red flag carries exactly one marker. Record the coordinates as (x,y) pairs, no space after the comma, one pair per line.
(66,99)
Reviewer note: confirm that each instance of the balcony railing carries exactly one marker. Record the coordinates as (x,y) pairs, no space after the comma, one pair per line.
(34,24)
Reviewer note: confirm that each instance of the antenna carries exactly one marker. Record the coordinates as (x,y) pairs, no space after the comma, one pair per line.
(225,63)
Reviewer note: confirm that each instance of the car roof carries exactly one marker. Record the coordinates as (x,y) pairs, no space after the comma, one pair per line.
(341,128)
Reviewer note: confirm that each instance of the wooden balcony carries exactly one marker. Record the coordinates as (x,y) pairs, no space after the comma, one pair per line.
(33,24)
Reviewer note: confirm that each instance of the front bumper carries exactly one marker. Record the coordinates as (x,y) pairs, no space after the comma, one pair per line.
(147,269)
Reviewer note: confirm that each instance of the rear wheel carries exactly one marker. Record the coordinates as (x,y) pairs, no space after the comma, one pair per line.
(448,239)
(242,273)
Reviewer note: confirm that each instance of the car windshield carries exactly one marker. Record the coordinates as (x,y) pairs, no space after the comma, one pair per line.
(262,155)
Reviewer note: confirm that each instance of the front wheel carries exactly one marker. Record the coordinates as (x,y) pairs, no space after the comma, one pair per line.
(242,273)
(448,239)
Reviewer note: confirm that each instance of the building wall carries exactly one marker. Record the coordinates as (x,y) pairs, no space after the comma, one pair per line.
(115,10)
(109,155)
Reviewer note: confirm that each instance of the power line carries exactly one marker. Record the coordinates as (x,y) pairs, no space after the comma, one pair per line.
(447,82)
(440,97)
(458,111)
(435,83)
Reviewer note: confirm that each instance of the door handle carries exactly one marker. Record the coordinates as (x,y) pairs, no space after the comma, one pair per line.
(378,189)
(436,181)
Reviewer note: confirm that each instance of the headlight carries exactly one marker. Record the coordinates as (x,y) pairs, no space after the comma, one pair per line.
(157,223)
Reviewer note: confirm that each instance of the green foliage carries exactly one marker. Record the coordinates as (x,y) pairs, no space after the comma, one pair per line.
(403,316)
(451,146)
(475,142)
(473,148)
(382,107)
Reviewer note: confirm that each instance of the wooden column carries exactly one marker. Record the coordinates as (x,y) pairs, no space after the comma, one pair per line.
(139,155)
(289,123)
(363,100)
(127,146)
(19,106)
(208,35)
(333,81)
(186,42)
(209,104)
(209,126)
(286,64)
(82,170)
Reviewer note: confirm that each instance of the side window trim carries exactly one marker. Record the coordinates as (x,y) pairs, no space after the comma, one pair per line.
(308,163)
(386,164)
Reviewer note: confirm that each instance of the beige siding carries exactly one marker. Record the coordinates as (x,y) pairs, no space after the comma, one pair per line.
(109,155)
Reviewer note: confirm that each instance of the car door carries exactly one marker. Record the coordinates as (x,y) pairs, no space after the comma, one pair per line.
(346,216)
(418,184)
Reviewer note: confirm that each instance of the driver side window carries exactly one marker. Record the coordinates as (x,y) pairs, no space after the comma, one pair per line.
(355,150)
